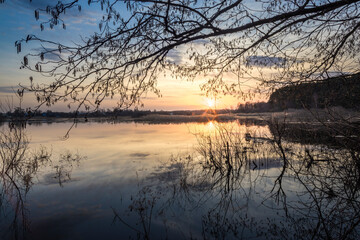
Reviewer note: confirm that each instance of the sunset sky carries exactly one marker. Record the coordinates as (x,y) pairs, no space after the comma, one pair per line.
(17,21)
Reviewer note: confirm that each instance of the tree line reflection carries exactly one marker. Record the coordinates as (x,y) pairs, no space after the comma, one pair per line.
(233,184)
(20,167)
(253,186)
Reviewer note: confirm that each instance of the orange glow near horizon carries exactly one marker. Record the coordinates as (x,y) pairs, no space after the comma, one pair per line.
(210,102)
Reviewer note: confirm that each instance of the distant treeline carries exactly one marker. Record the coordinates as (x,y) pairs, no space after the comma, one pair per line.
(252,107)
(19,113)
(341,91)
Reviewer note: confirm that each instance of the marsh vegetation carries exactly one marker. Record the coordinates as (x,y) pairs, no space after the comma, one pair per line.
(180,181)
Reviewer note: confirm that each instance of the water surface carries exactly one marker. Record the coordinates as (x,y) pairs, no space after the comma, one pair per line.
(175,181)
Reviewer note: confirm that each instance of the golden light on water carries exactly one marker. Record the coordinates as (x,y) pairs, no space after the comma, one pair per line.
(210,125)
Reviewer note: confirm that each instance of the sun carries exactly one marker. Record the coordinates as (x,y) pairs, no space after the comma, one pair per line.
(210,102)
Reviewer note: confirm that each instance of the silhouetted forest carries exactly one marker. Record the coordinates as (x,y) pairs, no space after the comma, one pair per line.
(341,91)
(21,114)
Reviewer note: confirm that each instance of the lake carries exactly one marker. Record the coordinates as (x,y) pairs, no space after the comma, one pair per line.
(126,180)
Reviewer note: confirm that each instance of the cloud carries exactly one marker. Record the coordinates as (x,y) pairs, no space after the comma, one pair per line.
(53,55)
(84,19)
(175,57)
(179,56)
(264,61)
(35,4)
(72,15)
(330,74)
(27,4)
(139,155)
(8,89)
(201,41)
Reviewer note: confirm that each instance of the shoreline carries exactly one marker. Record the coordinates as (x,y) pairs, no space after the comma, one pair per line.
(291,116)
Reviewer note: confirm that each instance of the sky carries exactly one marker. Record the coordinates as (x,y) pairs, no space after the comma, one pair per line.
(17,21)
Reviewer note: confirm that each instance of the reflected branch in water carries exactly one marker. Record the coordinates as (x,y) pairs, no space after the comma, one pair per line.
(216,178)
(240,184)
(329,178)
(143,206)
(19,167)
(64,166)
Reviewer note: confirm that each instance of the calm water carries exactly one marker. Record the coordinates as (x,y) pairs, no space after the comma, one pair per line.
(174,181)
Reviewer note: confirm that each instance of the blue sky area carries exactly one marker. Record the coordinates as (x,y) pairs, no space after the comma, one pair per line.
(18,20)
